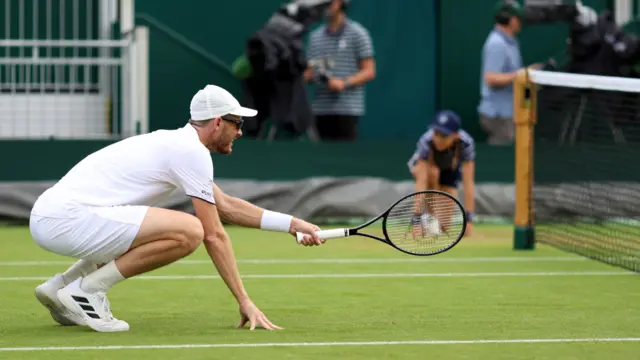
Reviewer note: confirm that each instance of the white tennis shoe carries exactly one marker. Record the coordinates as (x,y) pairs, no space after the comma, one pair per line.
(94,308)
(46,293)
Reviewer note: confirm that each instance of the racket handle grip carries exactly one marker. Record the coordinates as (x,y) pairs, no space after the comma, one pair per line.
(325,234)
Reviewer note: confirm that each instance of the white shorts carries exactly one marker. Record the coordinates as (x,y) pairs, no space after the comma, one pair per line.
(97,234)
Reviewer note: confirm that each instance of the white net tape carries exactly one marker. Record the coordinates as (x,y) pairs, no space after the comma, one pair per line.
(582,81)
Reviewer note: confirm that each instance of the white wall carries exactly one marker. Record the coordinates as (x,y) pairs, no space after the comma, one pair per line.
(59,115)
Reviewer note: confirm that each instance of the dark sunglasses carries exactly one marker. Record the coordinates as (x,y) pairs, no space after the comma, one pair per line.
(238,122)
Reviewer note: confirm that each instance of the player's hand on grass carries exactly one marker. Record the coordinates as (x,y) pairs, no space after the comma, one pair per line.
(298,225)
(249,313)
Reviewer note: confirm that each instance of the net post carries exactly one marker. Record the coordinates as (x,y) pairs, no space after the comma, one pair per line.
(524,111)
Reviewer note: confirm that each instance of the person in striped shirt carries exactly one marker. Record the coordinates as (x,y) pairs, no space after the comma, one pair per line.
(341,59)
(445,154)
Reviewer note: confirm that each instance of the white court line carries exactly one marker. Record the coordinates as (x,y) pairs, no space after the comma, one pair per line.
(353,276)
(303,344)
(337,261)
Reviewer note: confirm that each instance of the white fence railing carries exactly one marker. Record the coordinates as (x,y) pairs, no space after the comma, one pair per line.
(65,71)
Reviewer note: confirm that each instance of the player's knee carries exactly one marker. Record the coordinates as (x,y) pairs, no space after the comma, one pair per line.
(192,234)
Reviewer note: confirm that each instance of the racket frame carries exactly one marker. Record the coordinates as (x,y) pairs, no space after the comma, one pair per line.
(384,216)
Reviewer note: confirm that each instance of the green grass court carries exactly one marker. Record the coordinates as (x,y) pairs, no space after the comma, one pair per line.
(349,299)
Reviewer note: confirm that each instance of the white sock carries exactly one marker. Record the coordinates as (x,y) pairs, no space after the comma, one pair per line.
(80,268)
(102,279)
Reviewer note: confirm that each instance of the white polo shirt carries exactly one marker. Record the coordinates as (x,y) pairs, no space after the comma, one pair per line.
(141,170)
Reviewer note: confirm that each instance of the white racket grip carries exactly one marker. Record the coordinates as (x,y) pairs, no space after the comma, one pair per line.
(325,234)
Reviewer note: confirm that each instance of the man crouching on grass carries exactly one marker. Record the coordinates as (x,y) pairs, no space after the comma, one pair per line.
(104,212)
(444,154)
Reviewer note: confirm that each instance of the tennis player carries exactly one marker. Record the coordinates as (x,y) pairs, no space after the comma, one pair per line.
(102,212)
(445,155)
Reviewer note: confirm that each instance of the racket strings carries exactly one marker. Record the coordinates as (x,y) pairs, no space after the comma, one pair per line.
(425,223)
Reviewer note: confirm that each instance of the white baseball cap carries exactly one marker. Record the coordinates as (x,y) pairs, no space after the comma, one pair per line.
(214,101)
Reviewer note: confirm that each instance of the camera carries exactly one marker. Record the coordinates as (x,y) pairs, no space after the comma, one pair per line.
(595,44)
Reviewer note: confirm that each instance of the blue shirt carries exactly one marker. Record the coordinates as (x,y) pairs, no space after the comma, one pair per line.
(500,54)
(423,148)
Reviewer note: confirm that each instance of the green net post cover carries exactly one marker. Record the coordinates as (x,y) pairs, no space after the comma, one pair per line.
(523,238)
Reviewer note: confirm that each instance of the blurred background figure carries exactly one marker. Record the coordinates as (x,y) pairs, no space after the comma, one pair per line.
(341,59)
(272,67)
(444,155)
(501,59)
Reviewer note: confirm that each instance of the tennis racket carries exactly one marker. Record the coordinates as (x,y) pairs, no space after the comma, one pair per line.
(424,223)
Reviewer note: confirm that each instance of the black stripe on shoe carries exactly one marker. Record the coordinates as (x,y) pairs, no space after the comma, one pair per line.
(87,308)
(83,302)
(80,299)
(92,315)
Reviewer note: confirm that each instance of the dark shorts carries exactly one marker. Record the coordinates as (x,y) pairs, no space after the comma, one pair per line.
(447,177)
(450,178)
(337,127)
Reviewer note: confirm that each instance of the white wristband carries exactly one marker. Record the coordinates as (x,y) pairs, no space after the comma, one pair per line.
(275,221)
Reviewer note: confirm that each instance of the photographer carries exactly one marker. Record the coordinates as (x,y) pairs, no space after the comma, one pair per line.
(341,60)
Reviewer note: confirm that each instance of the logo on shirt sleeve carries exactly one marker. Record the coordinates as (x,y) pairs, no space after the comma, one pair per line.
(207,194)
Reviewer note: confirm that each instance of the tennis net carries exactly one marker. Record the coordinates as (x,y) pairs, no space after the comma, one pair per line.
(586,178)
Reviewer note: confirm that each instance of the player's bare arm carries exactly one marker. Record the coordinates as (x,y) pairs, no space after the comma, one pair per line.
(243,213)
(468,187)
(219,248)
